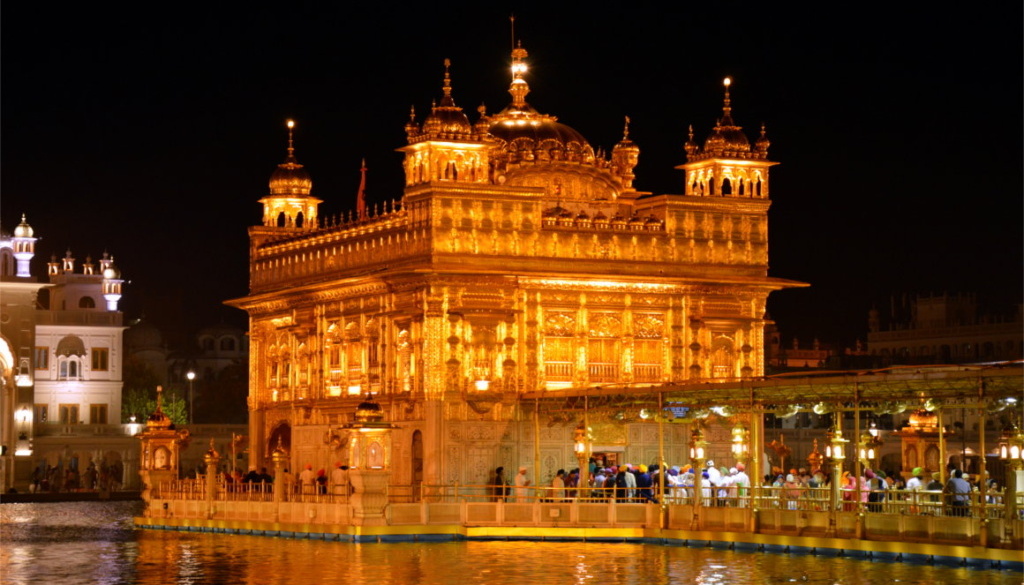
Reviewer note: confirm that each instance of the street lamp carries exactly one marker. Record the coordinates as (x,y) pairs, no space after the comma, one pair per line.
(870,444)
(191,410)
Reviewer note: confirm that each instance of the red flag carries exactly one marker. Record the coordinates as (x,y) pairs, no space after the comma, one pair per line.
(361,196)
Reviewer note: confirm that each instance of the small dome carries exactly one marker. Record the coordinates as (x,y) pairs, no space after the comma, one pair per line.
(23,230)
(369,412)
(111,272)
(290,179)
(447,118)
(727,138)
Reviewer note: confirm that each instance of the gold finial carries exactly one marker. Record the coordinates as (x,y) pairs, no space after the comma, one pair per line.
(412,113)
(625,132)
(727,105)
(447,78)
(691,132)
(512,27)
(159,398)
(291,138)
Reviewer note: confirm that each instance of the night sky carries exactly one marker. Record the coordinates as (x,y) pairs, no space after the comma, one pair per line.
(152,134)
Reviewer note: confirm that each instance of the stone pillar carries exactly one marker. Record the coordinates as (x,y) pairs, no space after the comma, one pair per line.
(280,459)
(212,460)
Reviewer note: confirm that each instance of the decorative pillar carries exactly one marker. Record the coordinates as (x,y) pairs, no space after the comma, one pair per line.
(280,459)
(212,461)
(370,453)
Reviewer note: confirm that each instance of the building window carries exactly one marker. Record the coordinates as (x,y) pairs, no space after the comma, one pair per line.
(86,303)
(559,364)
(42,358)
(98,414)
(41,413)
(100,358)
(647,360)
(227,344)
(69,414)
(603,358)
(69,368)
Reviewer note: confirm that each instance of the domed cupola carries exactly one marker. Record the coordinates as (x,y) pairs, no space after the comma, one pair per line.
(24,230)
(446,118)
(727,165)
(290,178)
(446,147)
(289,204)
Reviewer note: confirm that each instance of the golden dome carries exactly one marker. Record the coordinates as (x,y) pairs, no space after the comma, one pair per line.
(522,133)
(290,178)
(23,230)
(369,411)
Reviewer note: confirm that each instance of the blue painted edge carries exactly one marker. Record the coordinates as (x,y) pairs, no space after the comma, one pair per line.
(882,556)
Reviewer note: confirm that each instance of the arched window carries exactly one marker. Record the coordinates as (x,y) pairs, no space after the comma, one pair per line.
(86,303)
(726,187)
(206,343)
(227,344)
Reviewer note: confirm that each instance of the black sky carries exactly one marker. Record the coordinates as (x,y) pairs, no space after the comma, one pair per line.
(151,131)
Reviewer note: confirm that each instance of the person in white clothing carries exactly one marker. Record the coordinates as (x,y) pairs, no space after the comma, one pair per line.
(521,490)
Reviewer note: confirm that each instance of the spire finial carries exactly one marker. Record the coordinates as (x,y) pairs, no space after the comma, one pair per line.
(447,78)
(519,87)
(291,138)
(727,103)
(625,131)
(361,195)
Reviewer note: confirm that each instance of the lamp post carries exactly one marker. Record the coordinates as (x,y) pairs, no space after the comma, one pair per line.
(579,437)
(1011,452)
(191,376)
(834,452)
(869,448)
(698,453)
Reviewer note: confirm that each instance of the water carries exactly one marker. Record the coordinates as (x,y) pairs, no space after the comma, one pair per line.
(90,542)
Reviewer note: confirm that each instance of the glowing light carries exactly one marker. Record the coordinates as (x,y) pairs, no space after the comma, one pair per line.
(355,390)
(291,124)
(482,385)
(727,82)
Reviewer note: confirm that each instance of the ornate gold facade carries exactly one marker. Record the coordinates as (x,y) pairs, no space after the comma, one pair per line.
(519,259)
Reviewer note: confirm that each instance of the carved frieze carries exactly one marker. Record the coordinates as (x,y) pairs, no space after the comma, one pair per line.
(605,325)
(560,325)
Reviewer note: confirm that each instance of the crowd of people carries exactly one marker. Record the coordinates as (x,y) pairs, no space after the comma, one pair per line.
(58,478)
(797,489)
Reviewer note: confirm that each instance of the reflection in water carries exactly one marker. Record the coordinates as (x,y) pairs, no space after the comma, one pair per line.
(95,543)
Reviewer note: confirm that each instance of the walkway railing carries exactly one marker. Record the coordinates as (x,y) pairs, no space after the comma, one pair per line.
(922,516)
